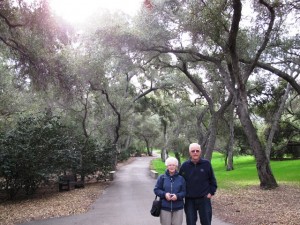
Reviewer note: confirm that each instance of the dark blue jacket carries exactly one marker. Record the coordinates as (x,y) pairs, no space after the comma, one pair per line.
(200,179)
(173,184)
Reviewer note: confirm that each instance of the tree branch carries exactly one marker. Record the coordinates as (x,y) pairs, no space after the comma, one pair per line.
(11,25)
(266,37)
(276,71)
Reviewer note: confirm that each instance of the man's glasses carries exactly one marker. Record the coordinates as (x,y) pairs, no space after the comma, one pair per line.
(194,151)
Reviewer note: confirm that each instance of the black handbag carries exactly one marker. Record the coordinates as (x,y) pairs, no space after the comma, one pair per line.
(156,207)
(156,204)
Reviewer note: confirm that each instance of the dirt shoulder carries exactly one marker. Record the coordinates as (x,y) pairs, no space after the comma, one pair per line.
(253,206)
(50,204)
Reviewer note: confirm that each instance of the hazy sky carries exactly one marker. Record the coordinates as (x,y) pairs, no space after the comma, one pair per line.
(78,10)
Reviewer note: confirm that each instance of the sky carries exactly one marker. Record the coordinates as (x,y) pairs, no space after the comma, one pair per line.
(76,11)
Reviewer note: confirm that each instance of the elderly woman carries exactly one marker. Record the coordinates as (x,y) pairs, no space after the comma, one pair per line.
(170,187)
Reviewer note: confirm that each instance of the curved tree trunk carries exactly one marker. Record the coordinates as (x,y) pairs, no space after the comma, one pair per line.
(266,177)
(276,119)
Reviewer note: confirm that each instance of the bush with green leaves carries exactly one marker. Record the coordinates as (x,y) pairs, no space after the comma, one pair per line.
(95,156)
(38,147)
(106,157)
(35,148)
(124,155)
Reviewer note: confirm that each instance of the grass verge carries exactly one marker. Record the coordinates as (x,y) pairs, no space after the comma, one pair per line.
(245,173)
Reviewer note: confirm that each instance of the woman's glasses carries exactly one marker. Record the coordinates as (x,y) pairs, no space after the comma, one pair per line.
(194,151)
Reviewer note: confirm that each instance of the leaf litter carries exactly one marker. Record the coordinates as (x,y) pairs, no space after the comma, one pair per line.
(254,206)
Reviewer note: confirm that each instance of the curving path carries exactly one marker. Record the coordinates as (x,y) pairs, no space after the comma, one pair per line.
(127,201)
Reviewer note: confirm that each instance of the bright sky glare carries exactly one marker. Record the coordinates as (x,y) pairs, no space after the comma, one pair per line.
(76,11)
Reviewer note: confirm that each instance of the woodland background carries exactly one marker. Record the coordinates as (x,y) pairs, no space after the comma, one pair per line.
(79,99)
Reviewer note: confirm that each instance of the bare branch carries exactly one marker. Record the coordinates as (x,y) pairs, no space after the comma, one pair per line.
(278,72)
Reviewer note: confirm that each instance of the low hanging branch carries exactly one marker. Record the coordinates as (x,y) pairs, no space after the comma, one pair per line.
(118,125)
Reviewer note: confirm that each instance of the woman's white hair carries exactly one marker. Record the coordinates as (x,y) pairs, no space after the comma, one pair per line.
(171,160)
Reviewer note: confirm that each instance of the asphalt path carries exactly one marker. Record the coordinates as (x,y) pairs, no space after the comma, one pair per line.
(127,201)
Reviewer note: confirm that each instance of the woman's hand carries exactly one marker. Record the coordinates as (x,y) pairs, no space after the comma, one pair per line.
(171,197)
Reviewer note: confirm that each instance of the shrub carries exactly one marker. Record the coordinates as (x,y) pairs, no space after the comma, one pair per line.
(33,149)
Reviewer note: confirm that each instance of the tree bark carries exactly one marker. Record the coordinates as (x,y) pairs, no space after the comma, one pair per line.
(229,150)
(275,120)
(164,150)
(208,150)
(266,177)
(267,180)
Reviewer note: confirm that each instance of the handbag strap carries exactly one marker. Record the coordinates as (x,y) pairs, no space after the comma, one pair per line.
(163,181)
(162,185)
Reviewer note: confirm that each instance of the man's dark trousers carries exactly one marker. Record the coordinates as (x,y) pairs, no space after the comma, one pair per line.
(203,206)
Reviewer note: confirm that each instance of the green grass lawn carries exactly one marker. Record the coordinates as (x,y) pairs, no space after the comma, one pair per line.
(245,173)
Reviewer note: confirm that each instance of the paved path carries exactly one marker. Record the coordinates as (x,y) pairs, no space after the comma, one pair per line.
(127,201)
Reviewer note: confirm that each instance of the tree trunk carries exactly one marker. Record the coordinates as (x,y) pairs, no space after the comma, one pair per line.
(164,150)
(275,120)
(208,151)
(177,156)
(267,180)
(266,177)
(148,146)
(202,134)
(229,150)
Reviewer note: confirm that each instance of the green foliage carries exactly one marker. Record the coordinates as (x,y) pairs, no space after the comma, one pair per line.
(179,144)
(124,155)
(33,149)
(91,156)
(35,40)
(241,141)
(106,157)
(40,146)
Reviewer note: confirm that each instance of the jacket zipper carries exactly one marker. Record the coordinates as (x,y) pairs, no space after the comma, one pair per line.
(171,193)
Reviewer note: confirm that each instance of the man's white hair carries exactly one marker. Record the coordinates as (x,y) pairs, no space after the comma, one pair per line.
(194,145)
(171,160)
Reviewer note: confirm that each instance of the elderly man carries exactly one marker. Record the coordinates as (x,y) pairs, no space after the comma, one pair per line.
(201,185)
